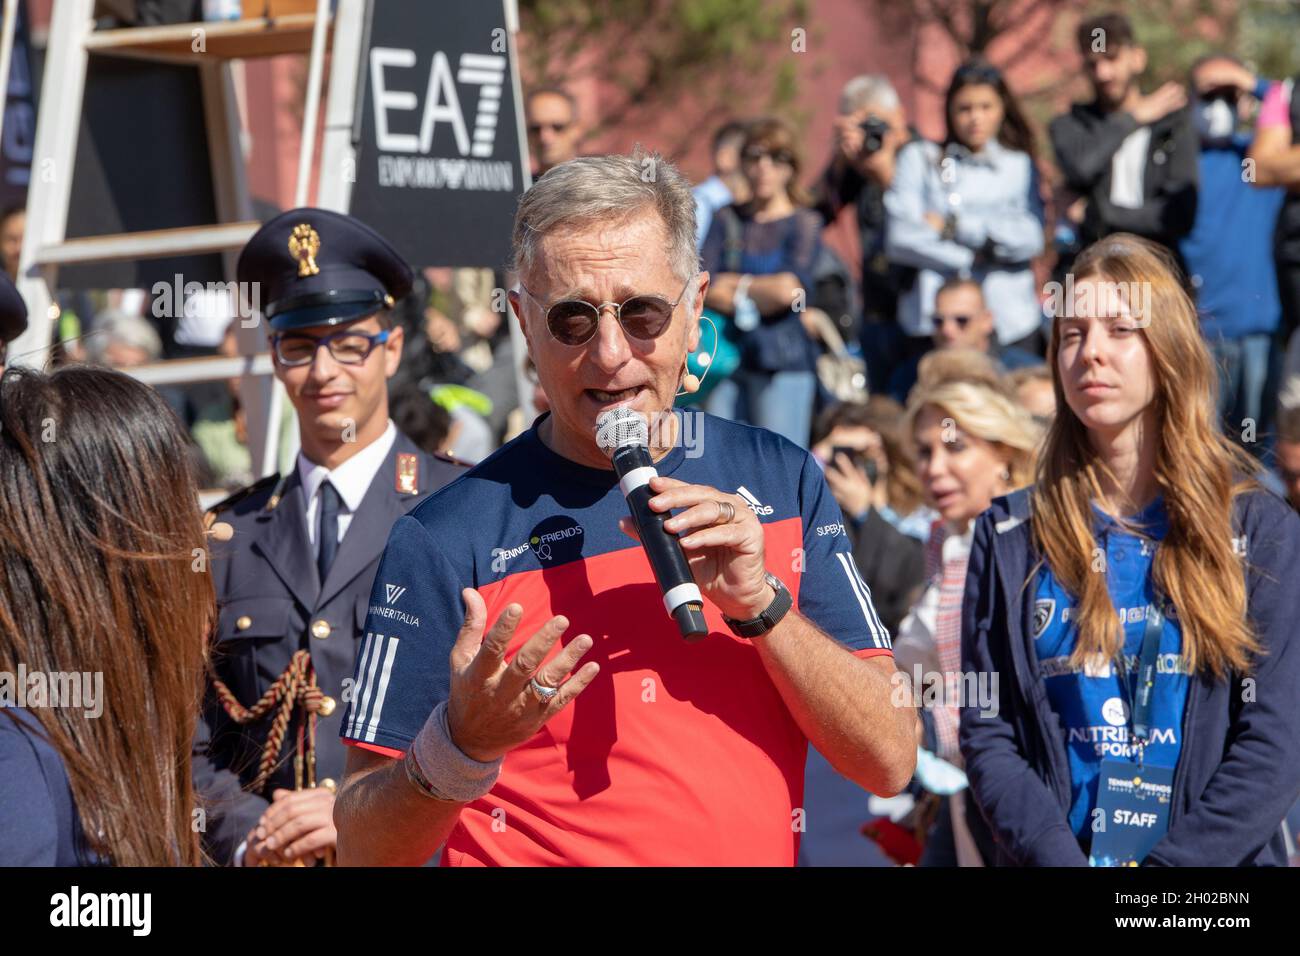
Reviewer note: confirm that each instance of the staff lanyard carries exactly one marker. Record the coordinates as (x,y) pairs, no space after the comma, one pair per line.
(1141,699)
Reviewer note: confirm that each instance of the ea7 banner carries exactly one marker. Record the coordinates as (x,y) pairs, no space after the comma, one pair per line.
(439,161)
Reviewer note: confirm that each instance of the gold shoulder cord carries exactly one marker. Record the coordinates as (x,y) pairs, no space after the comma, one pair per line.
(296,686)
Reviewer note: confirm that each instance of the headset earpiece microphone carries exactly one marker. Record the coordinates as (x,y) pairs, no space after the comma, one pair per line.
(691,382)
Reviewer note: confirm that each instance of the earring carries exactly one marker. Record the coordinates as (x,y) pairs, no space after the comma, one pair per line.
(1006,474)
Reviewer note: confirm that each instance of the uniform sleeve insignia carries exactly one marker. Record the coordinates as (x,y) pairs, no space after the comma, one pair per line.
(408,474)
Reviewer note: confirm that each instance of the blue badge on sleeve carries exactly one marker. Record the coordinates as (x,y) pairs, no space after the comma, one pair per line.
(1134,805)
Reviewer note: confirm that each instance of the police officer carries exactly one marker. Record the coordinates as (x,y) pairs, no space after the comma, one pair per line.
(294,578)
(13,316)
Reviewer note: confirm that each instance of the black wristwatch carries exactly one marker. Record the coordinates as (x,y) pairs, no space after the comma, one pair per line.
(770,616)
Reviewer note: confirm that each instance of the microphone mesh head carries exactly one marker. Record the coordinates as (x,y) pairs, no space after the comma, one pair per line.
(620,427)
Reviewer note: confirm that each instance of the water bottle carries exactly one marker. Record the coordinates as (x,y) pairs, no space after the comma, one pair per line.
(747,316)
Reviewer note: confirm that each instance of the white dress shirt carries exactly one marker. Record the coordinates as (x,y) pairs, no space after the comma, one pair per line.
(351,480)
(1128,170)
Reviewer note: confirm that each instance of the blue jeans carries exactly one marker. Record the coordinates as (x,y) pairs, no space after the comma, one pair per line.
(781,402)
(1247,379)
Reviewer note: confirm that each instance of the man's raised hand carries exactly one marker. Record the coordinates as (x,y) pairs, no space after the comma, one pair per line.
(492,710)
(1160,103)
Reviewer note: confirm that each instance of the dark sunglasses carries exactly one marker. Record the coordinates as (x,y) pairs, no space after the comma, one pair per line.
(782,157)
(961,320)
(535,128)
(1229,94)
(643,317)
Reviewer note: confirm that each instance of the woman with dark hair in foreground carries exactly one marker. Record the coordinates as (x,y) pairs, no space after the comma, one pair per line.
(105,604)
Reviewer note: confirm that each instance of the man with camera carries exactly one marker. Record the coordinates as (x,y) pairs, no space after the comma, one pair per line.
(868,133)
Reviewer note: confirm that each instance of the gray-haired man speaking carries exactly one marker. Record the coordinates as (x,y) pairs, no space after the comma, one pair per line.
(522,696)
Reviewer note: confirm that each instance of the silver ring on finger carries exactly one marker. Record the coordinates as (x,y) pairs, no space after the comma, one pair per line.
(543,693)
(725,508)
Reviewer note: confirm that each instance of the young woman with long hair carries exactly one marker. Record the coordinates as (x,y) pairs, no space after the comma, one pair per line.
(1138,604)
(103,589)
(970,205)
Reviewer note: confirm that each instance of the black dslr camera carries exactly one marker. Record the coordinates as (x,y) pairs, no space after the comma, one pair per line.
(874,131)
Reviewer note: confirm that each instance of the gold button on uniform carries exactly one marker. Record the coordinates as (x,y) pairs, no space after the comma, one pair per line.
(244,623)
(320,628)
(327,706)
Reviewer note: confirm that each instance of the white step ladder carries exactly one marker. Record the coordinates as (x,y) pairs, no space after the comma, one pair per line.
(211,48)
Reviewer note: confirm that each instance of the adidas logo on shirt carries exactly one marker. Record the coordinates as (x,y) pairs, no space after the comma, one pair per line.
(755,505)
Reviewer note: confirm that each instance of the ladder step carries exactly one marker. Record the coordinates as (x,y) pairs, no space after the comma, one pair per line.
(206,368)
(153,244)
(218,39)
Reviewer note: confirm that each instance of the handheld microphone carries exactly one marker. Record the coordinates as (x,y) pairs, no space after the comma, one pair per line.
(624,435)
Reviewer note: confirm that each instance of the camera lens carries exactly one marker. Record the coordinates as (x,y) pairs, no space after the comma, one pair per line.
(874,131)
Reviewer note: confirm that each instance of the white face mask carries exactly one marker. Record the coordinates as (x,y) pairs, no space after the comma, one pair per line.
(1215,119)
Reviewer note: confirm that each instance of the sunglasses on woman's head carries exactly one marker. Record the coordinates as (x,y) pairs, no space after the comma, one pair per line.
(980,73)
(643,317)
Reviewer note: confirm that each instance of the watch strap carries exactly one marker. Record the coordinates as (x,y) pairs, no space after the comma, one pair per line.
(769,617)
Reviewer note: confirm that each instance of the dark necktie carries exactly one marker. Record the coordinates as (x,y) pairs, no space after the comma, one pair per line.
(327,534)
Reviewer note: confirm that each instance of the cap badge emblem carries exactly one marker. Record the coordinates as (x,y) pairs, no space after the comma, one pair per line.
(304,244)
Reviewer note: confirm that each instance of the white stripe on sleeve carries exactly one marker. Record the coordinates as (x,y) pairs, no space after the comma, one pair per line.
(354,706)
(383,688)
(367,677)
(879,636)
(881,631)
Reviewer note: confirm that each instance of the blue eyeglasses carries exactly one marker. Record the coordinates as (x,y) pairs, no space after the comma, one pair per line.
(346,347)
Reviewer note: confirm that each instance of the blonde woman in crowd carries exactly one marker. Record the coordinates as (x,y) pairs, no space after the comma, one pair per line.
(973,442)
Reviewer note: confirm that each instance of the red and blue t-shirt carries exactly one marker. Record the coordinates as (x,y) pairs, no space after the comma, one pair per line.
(676,753)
